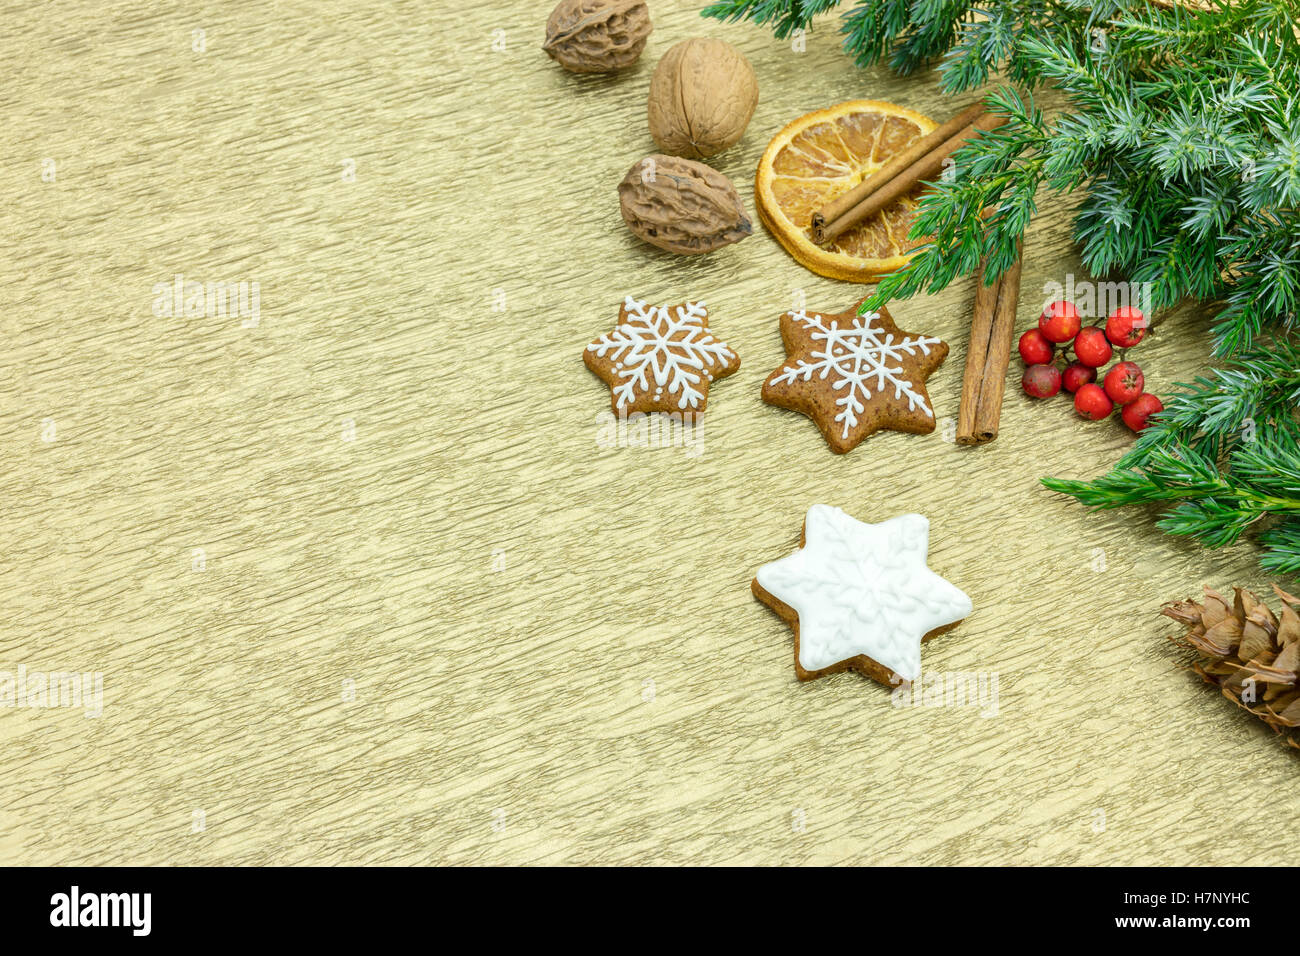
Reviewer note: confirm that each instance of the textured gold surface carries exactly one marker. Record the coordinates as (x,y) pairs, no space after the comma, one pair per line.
(612,693)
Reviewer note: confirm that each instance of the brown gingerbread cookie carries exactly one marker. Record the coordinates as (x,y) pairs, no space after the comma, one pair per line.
(855,374)
(660,358)
(860,596)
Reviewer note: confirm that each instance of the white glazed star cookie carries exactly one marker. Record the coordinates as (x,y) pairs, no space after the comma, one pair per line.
(860,596)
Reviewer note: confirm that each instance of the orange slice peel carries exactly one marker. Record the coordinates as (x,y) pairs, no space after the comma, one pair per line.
(823,155)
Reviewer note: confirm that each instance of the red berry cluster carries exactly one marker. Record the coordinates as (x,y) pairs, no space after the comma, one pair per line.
(1093,346)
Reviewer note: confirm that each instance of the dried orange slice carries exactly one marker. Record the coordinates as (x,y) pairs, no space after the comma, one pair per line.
(823,155)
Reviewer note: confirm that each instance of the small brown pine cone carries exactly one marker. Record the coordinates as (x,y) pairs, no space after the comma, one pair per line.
(1251,654)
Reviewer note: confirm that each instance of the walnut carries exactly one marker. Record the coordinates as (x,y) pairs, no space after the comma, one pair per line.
(682,206)
(702,95)
(597,36)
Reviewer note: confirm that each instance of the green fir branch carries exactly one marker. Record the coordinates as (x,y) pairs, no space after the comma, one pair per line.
(1224,455)
(1180,148)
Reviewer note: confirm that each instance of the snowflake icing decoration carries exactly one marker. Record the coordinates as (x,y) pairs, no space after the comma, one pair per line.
(860,357)
(677,352)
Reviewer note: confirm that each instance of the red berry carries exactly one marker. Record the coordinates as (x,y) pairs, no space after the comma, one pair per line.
(1060,321)
(1092,347)
(1126,326)
(1077,374)
(1091,402)
(1124,383)
(1035,349)
(1041,381)
(1136,412)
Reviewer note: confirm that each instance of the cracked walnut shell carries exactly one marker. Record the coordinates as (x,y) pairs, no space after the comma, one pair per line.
(682,206)
(597,36)
(702,96)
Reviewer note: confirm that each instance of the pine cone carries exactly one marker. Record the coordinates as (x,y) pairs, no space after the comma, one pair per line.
(1251,655)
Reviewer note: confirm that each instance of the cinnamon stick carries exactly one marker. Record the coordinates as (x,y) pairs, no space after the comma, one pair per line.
(972,379)
(988,355)
(838,207)
(993,380)
(924,169)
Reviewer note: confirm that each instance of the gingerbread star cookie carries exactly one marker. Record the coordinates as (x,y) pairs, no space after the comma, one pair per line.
(855,374)
(660,358)
(860,596)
